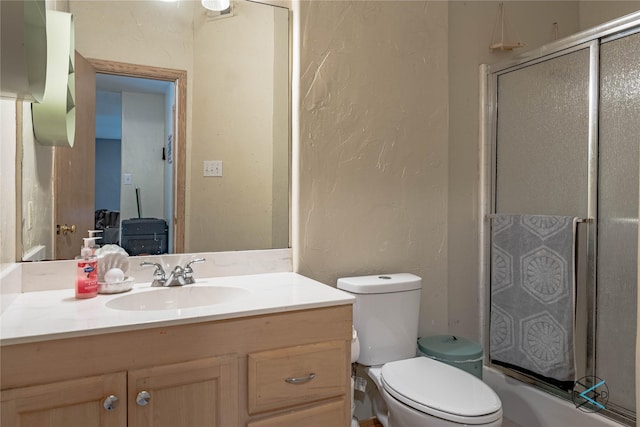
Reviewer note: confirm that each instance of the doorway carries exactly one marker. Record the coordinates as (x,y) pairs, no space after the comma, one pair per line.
(172,156)
(133,156)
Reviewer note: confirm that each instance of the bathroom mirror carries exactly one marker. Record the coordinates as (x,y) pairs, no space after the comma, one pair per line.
(237,113)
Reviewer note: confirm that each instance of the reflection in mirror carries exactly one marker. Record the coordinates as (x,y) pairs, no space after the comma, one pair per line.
(237,113)
(133,117)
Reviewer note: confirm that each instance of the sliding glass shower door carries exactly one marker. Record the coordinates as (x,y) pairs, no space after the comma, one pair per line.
(619,145)
(566,141)
(542,137)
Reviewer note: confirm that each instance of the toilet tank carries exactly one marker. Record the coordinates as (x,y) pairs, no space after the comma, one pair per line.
(385,315)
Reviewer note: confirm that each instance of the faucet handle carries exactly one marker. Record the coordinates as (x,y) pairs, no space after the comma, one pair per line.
(188,271)
(194,261)
(158,274)
(159,268)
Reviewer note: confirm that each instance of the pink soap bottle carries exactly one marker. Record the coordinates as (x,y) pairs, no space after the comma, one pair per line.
(86,272)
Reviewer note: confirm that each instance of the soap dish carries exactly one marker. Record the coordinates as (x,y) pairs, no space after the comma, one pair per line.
(116,287)
(111,256)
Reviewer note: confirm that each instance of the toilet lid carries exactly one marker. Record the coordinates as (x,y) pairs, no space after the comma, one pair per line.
(441,390)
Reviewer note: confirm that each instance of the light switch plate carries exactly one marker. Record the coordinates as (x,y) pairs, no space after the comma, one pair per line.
(212,168)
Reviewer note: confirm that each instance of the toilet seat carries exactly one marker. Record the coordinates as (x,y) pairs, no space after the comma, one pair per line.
(441,390)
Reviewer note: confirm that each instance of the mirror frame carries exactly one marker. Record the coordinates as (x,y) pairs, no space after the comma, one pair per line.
(179,78)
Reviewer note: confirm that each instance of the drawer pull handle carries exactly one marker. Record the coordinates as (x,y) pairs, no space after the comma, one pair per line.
(301,380)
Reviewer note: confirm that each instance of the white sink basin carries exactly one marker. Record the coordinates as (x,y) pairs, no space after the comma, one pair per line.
(177,298)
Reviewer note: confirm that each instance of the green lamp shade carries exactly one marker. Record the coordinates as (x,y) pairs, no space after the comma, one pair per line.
(23,39)
(54,119)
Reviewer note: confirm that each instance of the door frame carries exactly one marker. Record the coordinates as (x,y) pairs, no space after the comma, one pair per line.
(179,78)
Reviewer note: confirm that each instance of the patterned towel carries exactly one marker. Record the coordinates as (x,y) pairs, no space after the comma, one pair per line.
(533,293)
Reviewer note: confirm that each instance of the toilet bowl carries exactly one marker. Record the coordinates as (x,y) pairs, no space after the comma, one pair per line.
(414,391)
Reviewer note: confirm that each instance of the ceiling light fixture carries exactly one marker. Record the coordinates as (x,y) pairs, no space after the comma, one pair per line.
(216,5)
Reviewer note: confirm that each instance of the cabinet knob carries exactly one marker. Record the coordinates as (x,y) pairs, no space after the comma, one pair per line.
(142,399)
(110,402)
(301,380)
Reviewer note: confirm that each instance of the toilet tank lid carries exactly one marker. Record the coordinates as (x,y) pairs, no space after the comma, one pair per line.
(380,283)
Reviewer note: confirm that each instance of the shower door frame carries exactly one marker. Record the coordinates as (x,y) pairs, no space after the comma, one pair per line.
(590,39)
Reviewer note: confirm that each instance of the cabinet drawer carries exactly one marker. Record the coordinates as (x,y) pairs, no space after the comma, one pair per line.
(295,375)
(331,414)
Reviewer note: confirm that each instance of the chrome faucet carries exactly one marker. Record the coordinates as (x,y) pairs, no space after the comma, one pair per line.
(176,277)
(179,276)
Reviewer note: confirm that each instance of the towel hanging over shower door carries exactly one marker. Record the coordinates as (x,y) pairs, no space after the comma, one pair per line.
(533,293)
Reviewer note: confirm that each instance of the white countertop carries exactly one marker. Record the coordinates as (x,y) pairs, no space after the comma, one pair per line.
(46,315)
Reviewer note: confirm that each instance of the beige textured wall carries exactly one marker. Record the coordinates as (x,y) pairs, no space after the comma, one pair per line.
(281,202)
(7,182)
(373,144)
(593,13)
(161,35)
(233,63)
(37,189)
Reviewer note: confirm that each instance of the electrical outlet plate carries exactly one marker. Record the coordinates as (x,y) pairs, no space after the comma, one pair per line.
(212,168)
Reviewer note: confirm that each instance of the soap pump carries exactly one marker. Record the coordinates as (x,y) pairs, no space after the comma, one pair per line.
(87,271)
(94,245)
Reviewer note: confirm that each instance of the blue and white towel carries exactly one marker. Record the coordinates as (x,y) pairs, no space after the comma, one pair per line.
(533,293)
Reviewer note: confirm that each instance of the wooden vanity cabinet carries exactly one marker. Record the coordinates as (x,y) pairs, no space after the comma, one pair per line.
(210,374)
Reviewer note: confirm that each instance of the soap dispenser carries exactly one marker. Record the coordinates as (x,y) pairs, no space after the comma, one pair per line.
(94,244)
(87,271)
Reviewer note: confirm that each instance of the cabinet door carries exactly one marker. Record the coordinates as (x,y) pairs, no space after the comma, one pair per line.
(199,393)
(68,403)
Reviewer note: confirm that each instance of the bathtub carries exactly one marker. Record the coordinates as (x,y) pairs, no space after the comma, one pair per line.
(527,406)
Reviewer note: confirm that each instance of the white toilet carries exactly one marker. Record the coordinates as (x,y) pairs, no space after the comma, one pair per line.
(416,391)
